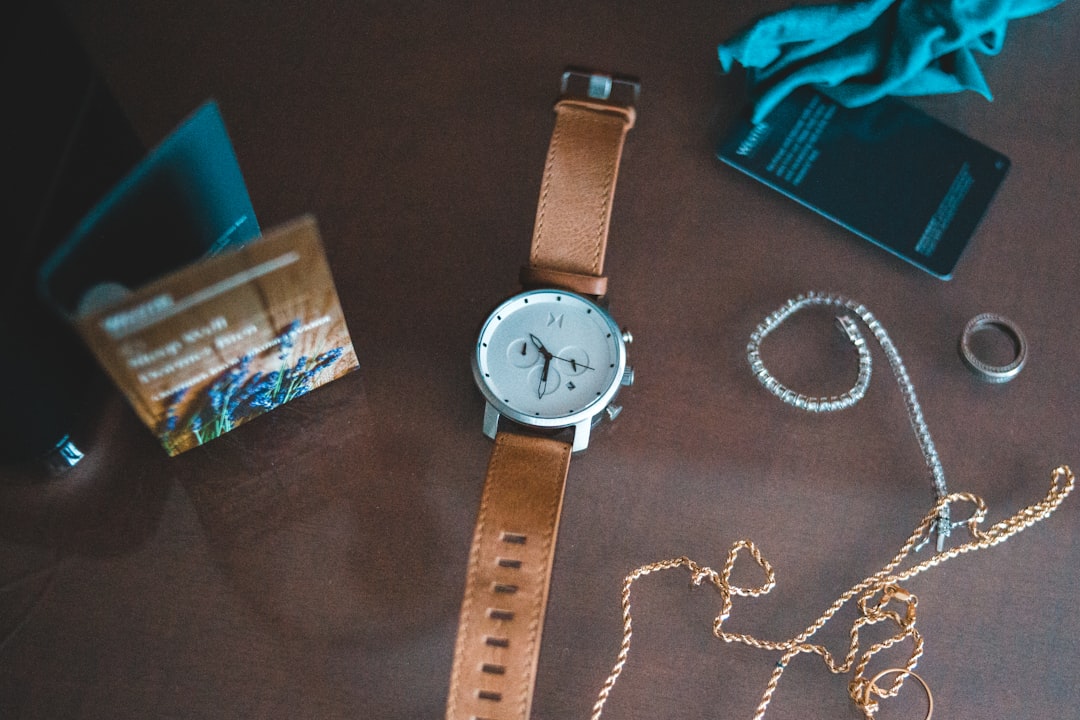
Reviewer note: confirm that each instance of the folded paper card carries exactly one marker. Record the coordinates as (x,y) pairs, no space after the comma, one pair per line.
(202,322)
(186,199)
(224,340)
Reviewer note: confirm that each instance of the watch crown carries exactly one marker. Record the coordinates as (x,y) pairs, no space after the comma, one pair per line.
(627,337)
(627,376)
(613,411)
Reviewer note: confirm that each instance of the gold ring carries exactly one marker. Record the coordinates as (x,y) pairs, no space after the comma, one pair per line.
(871,687)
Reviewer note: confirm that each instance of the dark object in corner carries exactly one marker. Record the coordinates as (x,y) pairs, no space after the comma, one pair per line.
(65,142)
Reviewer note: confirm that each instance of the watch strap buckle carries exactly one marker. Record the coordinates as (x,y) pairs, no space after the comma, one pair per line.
(607,88)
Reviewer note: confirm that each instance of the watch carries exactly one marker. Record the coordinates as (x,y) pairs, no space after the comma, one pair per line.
(548,362)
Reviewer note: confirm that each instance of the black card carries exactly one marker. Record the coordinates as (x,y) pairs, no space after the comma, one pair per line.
(888,172)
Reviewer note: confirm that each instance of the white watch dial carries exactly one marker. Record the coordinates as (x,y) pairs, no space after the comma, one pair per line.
(549,358)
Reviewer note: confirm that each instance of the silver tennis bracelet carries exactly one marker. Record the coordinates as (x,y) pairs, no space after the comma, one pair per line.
(943,525)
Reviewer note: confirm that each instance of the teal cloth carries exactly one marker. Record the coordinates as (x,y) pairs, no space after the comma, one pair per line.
(861,51)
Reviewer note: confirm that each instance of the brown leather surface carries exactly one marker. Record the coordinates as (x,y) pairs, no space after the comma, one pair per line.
(311,563)
(508,579)
(534,277)
(574,209)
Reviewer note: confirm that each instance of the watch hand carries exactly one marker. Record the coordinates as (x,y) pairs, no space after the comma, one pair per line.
(573,363)
(549,356)
(543,378)
(540,346)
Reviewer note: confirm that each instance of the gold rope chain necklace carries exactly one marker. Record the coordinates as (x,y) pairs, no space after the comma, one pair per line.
(880,597)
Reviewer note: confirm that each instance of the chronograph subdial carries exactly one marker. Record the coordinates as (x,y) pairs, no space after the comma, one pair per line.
(573,360)
(522,353)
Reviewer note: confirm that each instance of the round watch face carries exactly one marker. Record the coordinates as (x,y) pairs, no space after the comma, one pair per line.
(549,358)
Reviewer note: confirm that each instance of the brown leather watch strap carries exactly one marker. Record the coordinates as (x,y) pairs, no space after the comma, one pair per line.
(574,211)
(509,573)
(506,588)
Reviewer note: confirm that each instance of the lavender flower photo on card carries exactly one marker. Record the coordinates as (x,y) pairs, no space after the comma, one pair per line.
(207,348)
(241,393)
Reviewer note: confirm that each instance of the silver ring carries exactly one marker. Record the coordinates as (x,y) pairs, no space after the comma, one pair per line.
(985,371)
